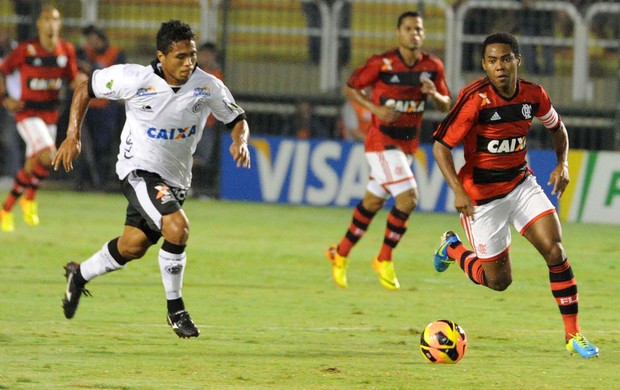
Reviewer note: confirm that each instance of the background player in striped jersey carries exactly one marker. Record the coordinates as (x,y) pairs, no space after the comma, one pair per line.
(401,81)
(167,105)
(43,65)
(495,187)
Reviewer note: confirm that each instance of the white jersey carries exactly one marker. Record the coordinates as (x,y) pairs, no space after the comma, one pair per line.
(162,127)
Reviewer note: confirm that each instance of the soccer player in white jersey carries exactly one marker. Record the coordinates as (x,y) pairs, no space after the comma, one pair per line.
(167,105)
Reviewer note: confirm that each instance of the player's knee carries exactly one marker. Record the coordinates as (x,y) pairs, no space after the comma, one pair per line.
(555,254)
(499,284)
(373,204)
(45,157)
(132,252)
(407,201)
(175,228)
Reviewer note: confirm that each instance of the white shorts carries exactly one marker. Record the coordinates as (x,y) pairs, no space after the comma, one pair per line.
(489,230)
(390,173)
(36,134)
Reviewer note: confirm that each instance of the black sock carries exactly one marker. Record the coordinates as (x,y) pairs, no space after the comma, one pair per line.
(175,305)
(78,279)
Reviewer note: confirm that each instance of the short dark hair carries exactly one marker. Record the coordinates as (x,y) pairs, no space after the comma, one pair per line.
(407,14)
(173,31)
(505,38)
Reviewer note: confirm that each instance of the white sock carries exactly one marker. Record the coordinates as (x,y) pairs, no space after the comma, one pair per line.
(100,263)
(172,267)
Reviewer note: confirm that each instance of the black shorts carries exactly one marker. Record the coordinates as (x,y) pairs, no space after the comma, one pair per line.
(150,198)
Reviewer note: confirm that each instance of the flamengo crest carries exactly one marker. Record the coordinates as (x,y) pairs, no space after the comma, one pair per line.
(526,110)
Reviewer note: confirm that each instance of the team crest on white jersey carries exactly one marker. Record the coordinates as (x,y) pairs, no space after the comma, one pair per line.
(199,105)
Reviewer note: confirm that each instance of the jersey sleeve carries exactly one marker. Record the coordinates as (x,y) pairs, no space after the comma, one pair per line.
(462,117)
(13,61)
(546,113)
(223,105)
(366,74)
(72,66)
(114,82)
(440,80)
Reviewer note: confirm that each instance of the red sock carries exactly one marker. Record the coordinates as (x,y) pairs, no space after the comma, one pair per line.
(357,228)
(395,229)
(22,180)
(39,173)
(469,262)
(564,290)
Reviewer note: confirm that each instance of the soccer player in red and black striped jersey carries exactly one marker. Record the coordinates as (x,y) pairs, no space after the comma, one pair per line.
(43,65)
(496,189)
(403,81)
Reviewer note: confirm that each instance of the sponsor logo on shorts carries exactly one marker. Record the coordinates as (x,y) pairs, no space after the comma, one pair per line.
(164,195)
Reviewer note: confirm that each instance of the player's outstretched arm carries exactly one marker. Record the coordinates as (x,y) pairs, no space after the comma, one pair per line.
(71,147)
(239,148)
(445,162)
(559,177)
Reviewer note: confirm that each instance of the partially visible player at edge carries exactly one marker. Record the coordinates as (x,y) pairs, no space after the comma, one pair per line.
(401,80)
(495,187)
(167,105)
(43,65)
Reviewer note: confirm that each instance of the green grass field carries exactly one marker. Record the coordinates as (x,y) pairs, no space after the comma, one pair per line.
(260,289)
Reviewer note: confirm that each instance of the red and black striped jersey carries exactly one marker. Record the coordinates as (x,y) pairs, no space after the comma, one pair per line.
(41,73)
(396,84)
(493,132)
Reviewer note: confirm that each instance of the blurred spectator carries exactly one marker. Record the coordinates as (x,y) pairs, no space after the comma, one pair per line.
(11,152)
(538,59)
(305,124)
(206,158)
(102,121)
(354,121)
(478,21)
(27,12)
(311,9)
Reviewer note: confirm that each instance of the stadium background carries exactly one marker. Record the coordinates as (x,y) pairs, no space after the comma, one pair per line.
(270,67)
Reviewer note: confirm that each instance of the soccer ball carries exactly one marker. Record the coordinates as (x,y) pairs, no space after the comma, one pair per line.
(443,341)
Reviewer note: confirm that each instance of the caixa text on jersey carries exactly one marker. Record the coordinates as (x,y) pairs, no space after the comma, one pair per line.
(171,134)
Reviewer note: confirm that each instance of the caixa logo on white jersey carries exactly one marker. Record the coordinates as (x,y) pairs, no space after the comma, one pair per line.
(406,106)
(171,134)
(502,146)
